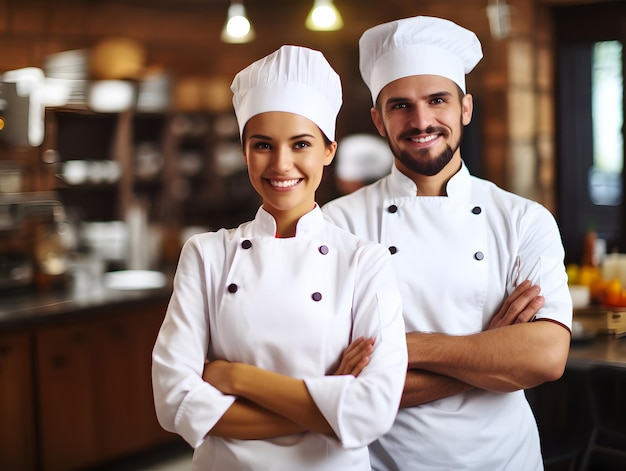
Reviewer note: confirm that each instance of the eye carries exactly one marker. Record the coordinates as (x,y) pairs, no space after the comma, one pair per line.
(438,100)
(399,106)
(301,145)
(261,145)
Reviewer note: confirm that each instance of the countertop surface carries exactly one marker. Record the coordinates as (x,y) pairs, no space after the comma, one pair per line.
(602,349)
(24,309)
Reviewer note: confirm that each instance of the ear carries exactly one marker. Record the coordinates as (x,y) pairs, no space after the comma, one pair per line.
(331,150)
(467,108)
(378,122)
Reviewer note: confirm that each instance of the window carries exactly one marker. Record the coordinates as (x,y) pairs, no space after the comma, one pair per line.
(605,175)
(589,95)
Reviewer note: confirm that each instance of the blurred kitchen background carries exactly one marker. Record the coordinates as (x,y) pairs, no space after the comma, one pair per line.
(118,141)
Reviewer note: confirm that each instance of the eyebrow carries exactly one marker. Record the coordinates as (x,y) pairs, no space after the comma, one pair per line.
(400,99)
(293,138)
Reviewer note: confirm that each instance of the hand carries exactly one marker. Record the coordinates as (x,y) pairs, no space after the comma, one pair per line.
(355,357)
(521,306)
(220,375)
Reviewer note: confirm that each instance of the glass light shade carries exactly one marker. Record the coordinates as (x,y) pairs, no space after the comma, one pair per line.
(238,28)
(324,16)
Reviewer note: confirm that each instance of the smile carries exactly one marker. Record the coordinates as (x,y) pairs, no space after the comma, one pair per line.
(424,140)
(284,183)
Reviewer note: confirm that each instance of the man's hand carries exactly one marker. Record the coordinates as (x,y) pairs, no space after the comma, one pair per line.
(355,357)
(521,306)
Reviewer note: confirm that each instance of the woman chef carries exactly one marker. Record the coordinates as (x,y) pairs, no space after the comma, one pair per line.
(273,304)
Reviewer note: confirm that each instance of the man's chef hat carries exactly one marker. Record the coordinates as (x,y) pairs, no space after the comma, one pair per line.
(293,79)
(363,157)
(420,45)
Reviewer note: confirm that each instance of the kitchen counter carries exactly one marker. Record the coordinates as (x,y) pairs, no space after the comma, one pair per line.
(600,350)
(26,309)
(75,383)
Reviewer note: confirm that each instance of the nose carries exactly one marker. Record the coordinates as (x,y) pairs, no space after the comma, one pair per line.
(282,159)
(421,117)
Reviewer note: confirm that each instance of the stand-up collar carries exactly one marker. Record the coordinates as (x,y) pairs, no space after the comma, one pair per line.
(457,186)
(310,224)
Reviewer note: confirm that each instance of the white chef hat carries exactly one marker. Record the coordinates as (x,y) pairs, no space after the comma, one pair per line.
(293,79)
(420,45)
(363,157)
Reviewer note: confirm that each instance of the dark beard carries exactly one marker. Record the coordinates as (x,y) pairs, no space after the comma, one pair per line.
(426,166)
(423,164)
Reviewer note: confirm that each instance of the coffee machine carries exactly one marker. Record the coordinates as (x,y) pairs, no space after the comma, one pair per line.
(35,240)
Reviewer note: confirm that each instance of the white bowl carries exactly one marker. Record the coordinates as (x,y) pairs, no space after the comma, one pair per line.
(134,279)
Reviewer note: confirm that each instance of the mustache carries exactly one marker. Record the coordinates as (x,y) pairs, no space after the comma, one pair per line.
(414,132)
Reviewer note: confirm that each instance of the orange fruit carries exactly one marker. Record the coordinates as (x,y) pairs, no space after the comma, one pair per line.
(613,293)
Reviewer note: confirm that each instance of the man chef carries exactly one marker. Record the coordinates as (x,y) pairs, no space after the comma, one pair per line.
(460,247)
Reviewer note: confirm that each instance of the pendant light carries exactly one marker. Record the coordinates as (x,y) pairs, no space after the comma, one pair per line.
(324,16)
(499,15)
(237,29)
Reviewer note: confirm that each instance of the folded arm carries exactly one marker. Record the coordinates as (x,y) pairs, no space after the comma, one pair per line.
(249,420)
(505,359)
(426,383)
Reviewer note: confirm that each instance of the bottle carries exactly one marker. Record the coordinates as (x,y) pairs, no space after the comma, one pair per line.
(589,255)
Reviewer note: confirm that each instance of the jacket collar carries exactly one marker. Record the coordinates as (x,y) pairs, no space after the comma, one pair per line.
(311,223)
(457,186)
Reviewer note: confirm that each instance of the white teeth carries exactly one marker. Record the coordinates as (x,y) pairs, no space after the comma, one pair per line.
(284,183)
(423,140)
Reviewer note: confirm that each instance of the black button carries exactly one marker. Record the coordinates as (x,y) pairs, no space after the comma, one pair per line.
(393,249)
(246,244)
(479,255)
(316,296)
(232,288)
(323,249)
(476,210)
(392,209)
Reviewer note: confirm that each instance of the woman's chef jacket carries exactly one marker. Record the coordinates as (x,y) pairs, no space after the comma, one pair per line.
(289,305)
(456,259)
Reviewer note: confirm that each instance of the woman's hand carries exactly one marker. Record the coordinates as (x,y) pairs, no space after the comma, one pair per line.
(355,357)
(221,375)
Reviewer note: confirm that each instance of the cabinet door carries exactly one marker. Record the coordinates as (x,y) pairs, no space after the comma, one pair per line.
(17,425)
(66,400)
(123,391)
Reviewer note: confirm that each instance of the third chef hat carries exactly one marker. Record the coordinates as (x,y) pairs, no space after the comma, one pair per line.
(363,157)
(293,79)
(420,45)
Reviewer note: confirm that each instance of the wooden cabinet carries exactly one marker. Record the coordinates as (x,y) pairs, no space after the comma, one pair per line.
(17,421)
(125,417)
(66,402)
(95,392)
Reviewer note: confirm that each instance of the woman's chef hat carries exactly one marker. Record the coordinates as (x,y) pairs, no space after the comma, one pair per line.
(293,79)
(420,45)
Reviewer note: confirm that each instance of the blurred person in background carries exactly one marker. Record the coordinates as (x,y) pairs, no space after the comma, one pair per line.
(361,159)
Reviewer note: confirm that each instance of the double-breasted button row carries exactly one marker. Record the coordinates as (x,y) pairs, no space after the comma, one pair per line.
(475,210)
(247,244)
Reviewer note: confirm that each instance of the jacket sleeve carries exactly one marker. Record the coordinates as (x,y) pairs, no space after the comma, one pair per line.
(185,404)
(542,260)
(362,409)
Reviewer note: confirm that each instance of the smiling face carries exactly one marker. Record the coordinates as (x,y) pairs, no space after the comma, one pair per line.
(422,117)
(286,154)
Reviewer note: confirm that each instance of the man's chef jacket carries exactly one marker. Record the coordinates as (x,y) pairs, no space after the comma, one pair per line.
(456,259)
(289,305)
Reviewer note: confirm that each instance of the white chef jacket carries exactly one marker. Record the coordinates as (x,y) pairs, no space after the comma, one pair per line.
(456,259)
(289,305)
